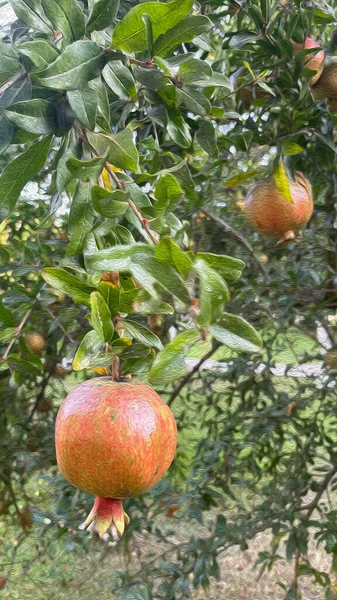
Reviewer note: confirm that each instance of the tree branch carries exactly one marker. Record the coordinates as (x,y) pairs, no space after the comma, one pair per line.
(237,235)
(17,77)
(18,331)
(189,375)
(68,336)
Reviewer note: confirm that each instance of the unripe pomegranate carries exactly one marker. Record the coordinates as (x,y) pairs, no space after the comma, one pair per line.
(326,87)
(314,62)
(3,581)
(114,440)
(271,214)
(36,342)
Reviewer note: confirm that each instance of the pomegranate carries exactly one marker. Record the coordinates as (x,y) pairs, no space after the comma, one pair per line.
(114,440)
(270,213)
(36,342)
(314,62)
(326,87)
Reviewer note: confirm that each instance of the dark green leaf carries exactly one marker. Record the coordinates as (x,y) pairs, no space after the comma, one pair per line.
(17,363)
(195,71)
(84,106)
(110,293)
(69,284)
(6,316)
(80,218)
(67,17)
(167,193)
(36,116)
(19,171)
(100,317)
(170,364)
(109,204)
(86,170)
(130,34)
(149,33)
(40,52)
(213,293)
(102,99)
(194,100)
(236,333)
(102,15)
(230,267)
(78,63)
(185,31)
(206,136)
(177,128)
(32,13)
(150,78)
(169,253)
(120,80)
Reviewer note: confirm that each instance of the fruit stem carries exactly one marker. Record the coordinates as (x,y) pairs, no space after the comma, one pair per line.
(107,512)
(115,368)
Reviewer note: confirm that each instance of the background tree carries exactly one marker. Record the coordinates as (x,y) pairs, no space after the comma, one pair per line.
(130,134)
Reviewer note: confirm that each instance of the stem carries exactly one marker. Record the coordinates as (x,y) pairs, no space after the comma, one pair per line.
(313,504)
(189,375)
(17,77)
(115,368)
(40,395)
(18,331)
(71,340)
(296,574)
(237,235)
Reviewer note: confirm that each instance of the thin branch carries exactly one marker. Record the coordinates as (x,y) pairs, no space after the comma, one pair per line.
(314,503)
(17,77)
(296,574)
(71,340)
(40,394)
(18,331)
(237,235)
(189,375)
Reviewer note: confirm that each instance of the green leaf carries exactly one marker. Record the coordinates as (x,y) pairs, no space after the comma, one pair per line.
(100,317)
(89,349)
(194,71)
(103,106)
(86,170)
(149,33)
(167,193)
(83,103)
(19,171)
(230,267)
(170,253)
(36,116)
(169,363)
(40,52)
(213,293)
(6,335)
(150,78)
(206,136)
(102,15)
(142,334)
(111,295)
(32,13)
(120,80)
(282,182)
(178,129)
(19,364)
(140,261)
(236,333)
(78,63)
(185,31)
(6,316)
(130,34)
(195,101)
(291,148)
(237,179)
(120,148)
(69,284)
(67,17)
(109,204)
(80,218)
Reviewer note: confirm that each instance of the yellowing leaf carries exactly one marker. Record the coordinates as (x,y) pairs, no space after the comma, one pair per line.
(282,182)
(106,178)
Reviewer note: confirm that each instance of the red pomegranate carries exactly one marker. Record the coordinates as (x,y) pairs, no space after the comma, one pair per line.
(114,440)
(326,87)
(271,214)
(314,62)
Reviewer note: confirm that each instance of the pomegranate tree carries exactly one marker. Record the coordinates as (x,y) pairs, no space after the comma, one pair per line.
(271,214)
(114,440)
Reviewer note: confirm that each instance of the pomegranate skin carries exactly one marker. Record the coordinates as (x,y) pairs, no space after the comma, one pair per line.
(270,213)
(114,439)
(326,87)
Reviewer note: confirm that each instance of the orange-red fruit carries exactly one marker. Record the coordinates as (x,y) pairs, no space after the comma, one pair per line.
(271,214)
(314,62)
(114,440)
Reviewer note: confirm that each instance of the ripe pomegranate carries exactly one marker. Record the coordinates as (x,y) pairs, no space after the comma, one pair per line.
(270,213)
(326,87)
(114,440)
(314,62)
(36,342)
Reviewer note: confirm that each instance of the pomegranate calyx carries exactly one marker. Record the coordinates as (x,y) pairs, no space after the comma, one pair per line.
(107,512)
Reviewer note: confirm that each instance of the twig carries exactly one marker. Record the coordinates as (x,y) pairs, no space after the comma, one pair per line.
(296,574)
(18,331)
(135,210)
(313,504)
(71,340)
(189,375)
(238,236)
(40,394)
(17,77)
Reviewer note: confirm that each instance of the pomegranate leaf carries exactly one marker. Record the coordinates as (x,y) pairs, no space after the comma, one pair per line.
(170,363)
(69,284)
(100,317)
(236,333)
(282,182)
(89,349)
(142,334)
(213,293)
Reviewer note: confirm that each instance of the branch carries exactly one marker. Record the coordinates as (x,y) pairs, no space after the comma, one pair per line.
(189,375)
(18,331)
(17,77)
(237,235)
(314,503)
(40,394)
(71,340)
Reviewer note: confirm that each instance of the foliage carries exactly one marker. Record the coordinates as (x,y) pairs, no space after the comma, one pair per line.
(129,135)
